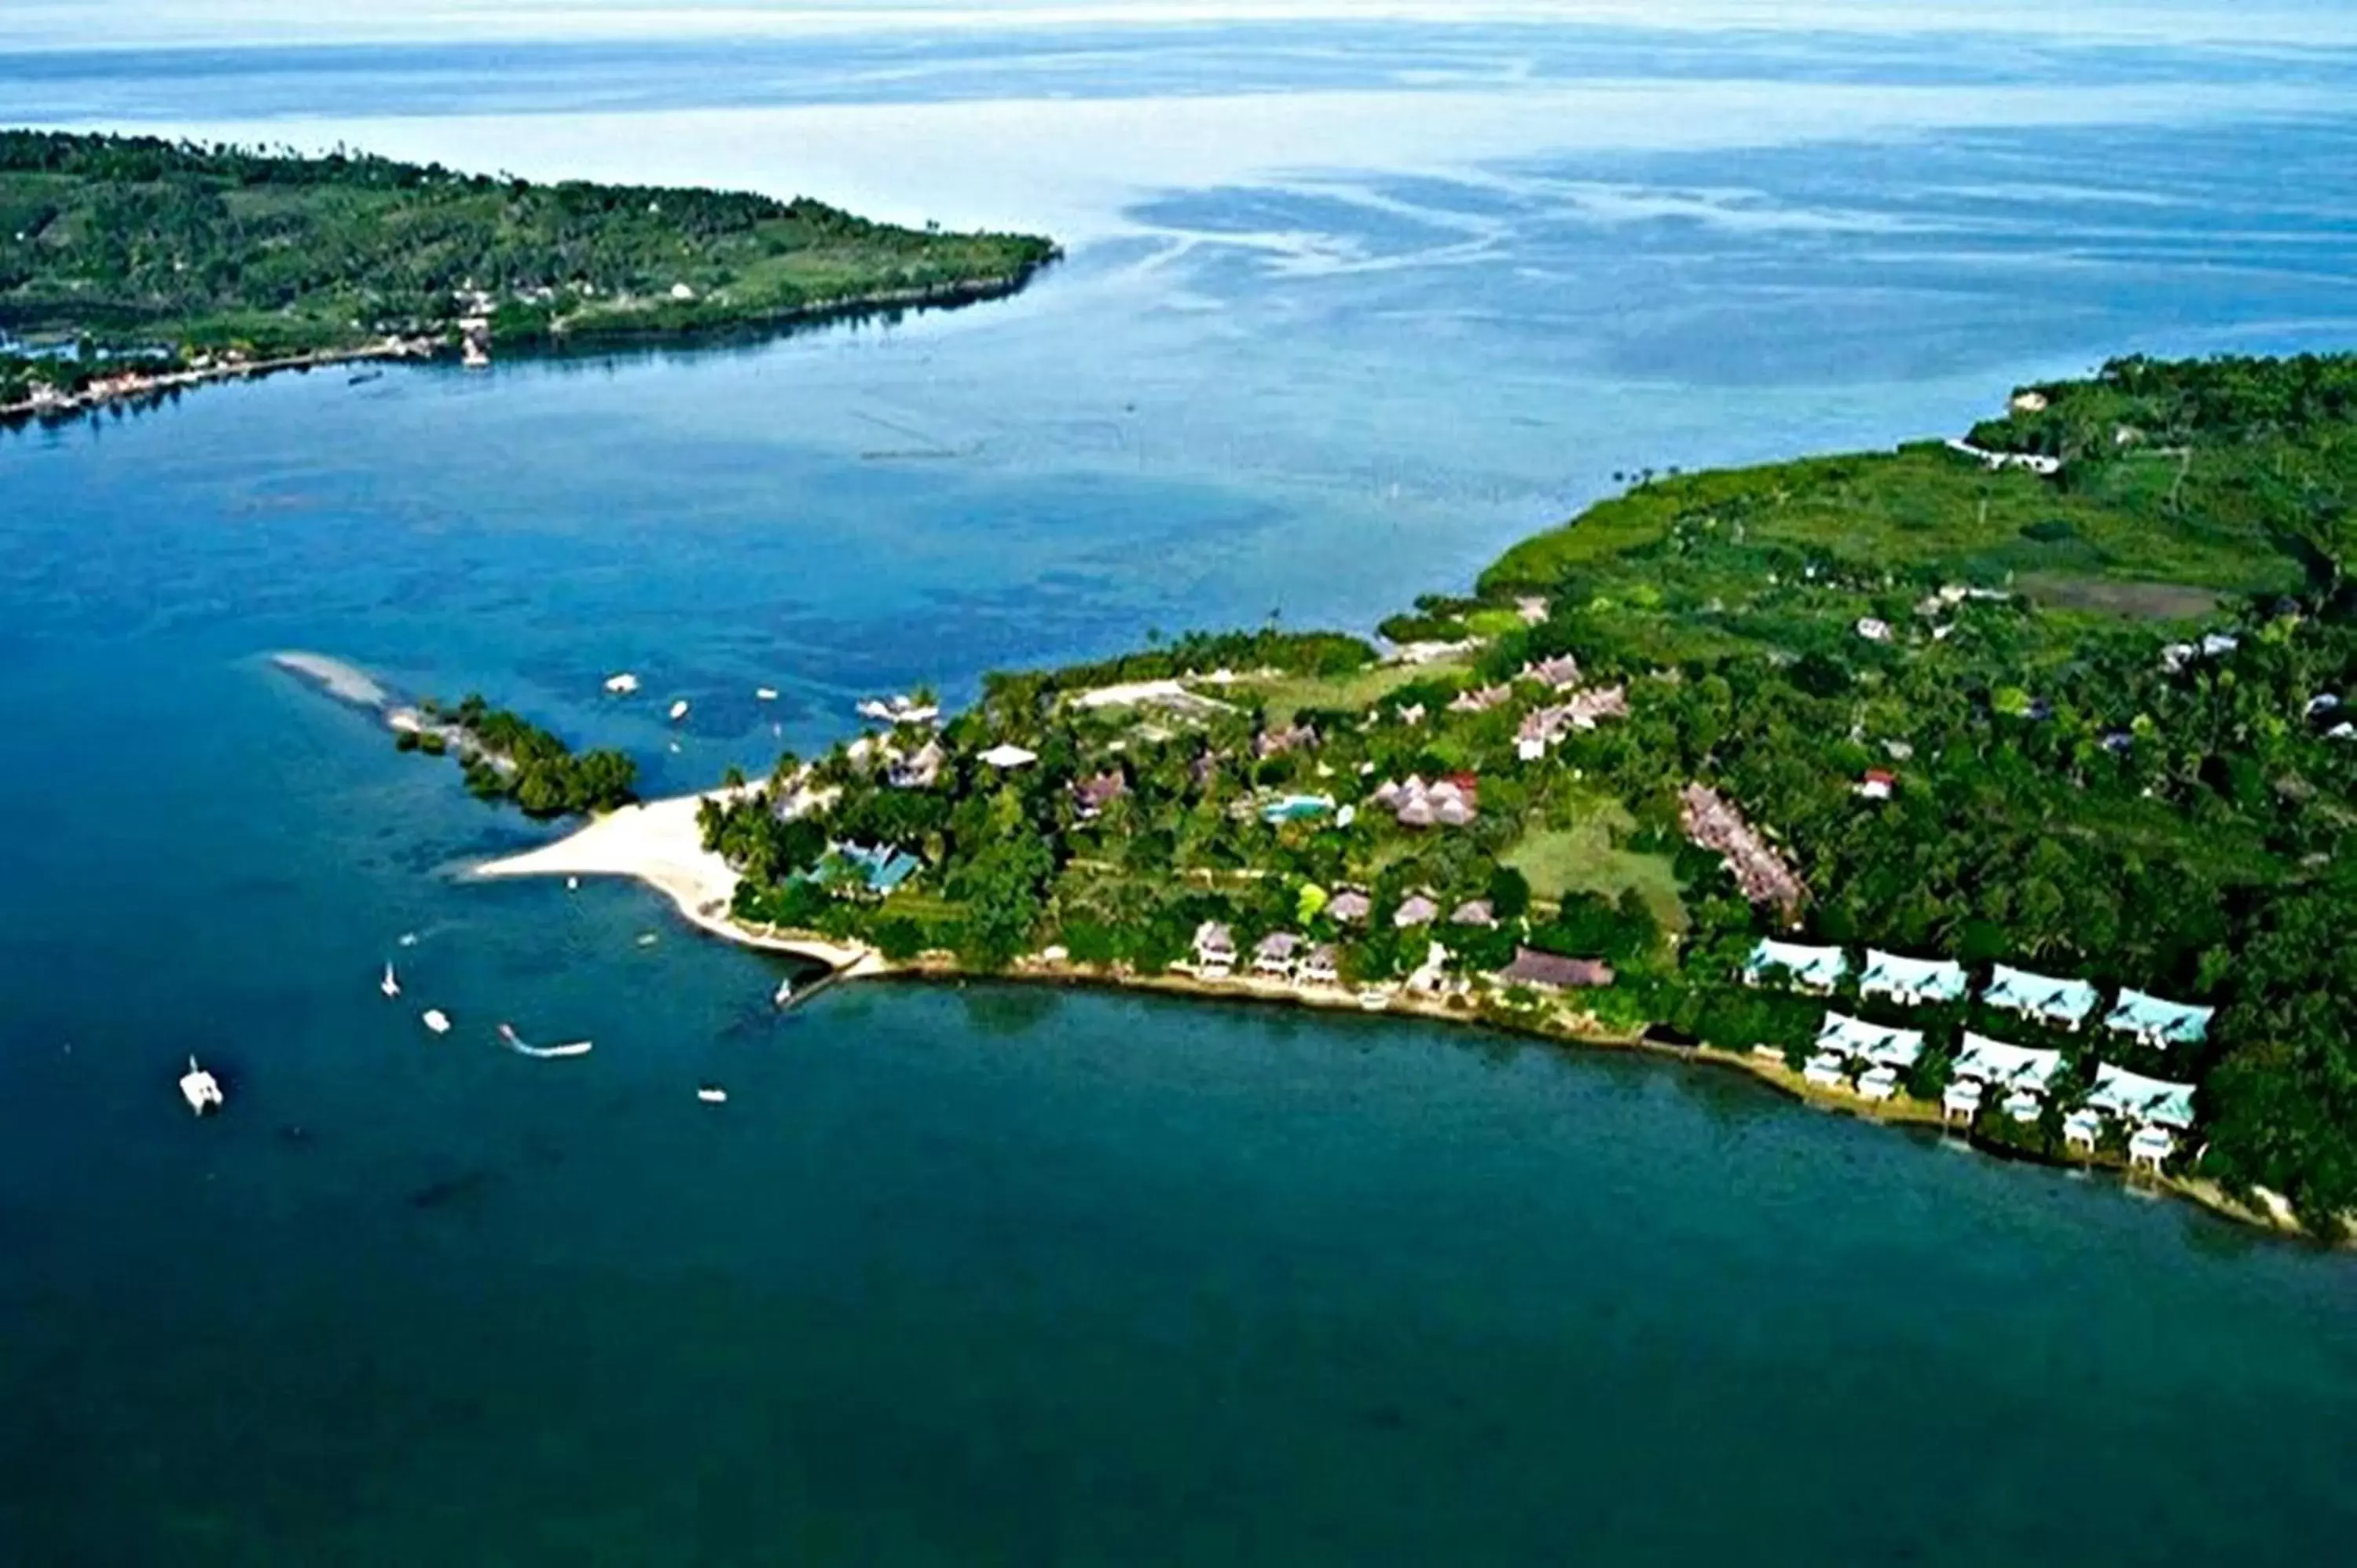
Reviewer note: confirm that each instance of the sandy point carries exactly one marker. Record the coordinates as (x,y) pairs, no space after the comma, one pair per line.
(661,844)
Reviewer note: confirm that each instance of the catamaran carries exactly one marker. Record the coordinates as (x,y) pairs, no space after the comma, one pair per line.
(200,1089)
(389,985)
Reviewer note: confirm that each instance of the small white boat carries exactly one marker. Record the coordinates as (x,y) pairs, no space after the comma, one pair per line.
(713,1095)
(390,985)
(436,1020)
(409,938)
(573,885)
(624,684)
(515,1042)
(646,938)
(766,694)
(785,992)
(200,1089)
(679,710)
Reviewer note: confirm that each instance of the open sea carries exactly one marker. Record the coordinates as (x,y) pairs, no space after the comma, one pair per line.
(984,1274)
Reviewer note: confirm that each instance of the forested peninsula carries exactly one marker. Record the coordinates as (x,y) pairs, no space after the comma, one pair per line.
(131,264)
(2003,782)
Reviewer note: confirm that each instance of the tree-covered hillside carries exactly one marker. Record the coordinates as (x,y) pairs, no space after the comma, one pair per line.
(135,241)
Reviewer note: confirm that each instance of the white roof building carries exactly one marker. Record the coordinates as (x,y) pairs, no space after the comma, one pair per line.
(1812,969)
(2155,1022)
(1911,981)
(1880,1043)
(2063,1003)
(1007,754)
(2145,1100)
(2002,1066)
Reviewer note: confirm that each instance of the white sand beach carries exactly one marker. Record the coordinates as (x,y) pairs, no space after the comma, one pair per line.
(660,843)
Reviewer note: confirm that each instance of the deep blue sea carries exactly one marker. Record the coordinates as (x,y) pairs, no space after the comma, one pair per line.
(988,1276)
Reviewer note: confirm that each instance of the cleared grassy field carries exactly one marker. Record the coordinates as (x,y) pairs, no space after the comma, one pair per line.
(1289,694)
(2150,517)
(1587,858)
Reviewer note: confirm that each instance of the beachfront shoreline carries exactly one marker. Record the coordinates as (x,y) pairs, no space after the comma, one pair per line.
(660,843)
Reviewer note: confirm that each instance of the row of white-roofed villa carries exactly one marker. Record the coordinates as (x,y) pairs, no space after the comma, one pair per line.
(1918,981)
(1910,982)
(2022,1075)
(1804,968)
(1845,1041)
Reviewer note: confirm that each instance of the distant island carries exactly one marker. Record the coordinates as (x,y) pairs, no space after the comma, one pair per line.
(2002,783)
(132,265)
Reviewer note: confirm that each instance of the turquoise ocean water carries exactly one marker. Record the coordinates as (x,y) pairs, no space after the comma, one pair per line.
(985,1274)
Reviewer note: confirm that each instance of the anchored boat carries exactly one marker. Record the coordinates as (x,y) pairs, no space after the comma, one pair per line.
(713,1095)
(436,1020)
(200,1089)
(389,984)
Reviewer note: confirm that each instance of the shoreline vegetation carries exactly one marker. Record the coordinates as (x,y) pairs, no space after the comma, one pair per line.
(1938,785)
(133,268)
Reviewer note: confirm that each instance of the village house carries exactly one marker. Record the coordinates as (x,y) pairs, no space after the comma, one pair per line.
(1414,910)
(1878,784)
(1449,803)
(1290,737)
(1810,969)
(2061,1003)
(1560,673)
(2155,1022)
(1481,699)
(1274,955)
(1554,973)
(1092,796)
(919,770)
(1215,951)
(1910,982)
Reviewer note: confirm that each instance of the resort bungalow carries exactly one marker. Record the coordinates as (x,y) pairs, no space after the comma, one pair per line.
(2080,1128)
(1215,951)
(1274,955)
(1474,912)
(920,770)
(1006,755)
(2158,1111)
(1847,1039)
(1414,910)
(1350,908)
(1910,982)
(1804,968)
(2022,1074)
(2155,1022)
(1551,971)
(2065,1003)
(1322,966)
